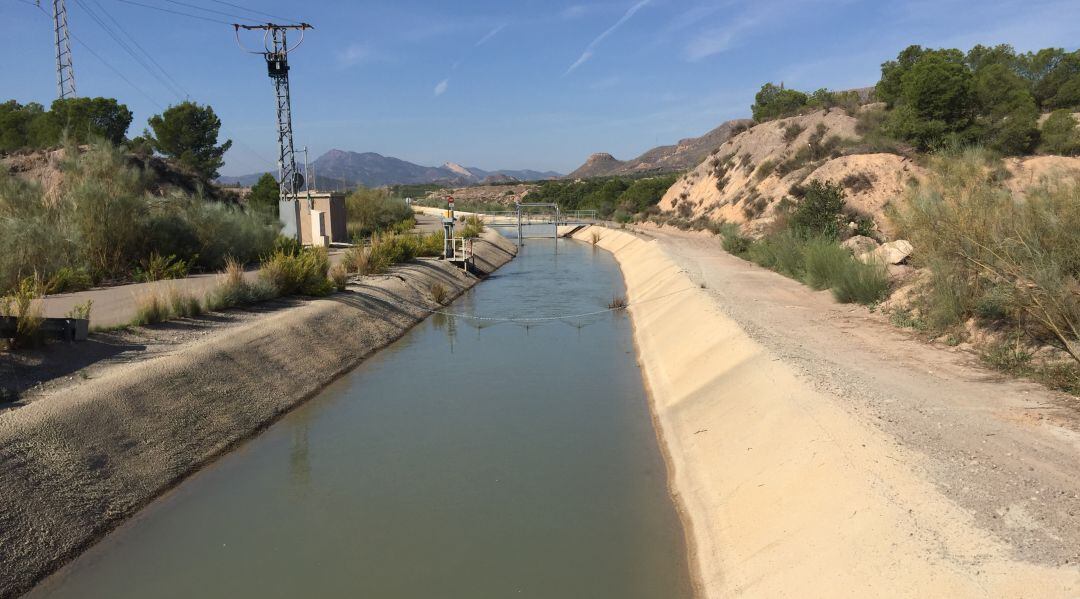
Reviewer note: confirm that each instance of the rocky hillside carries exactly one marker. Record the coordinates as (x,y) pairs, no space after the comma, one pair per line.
(681,156)
(745,179)
(504,195)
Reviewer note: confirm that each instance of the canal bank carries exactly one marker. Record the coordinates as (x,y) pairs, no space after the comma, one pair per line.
(78,460)
(783,489)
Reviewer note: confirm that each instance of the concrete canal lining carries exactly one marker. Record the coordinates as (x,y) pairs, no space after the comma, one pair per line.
(76,464)
(783,492)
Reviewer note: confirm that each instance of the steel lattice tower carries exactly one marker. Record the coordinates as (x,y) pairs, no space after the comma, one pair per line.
(65,72)
(277,62)
(276,53)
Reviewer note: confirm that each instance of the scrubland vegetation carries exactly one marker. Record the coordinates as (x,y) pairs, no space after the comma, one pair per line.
(1010,265)
(105,225)
(803,245)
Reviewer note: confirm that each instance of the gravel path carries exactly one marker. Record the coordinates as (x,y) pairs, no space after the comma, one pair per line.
(1006,450)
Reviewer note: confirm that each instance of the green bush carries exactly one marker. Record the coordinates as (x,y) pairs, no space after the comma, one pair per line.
(826,263)
(1059,134)
(235,290)
(373,210)
(159,268)
(732,239)
(304,274)
(860,283)
(474,226)
(818,213)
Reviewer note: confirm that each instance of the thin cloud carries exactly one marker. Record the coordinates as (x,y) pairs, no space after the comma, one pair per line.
(441,87)
(490,35)
(355,54)
(574,12)
(590,50)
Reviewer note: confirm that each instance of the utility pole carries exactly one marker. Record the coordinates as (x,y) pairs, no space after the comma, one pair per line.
(65,72)
(276,52)
(307,176)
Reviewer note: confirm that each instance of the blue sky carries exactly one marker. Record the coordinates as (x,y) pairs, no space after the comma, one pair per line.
(502,84)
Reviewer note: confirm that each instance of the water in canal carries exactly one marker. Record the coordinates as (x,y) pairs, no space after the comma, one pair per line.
(469,460)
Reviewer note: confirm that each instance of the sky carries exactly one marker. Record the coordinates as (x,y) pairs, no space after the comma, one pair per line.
(508,84)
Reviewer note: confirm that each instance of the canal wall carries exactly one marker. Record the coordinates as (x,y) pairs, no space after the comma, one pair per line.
(782,491)
(76,463)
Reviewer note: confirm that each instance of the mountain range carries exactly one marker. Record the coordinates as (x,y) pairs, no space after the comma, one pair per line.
(340,169)
(684,155)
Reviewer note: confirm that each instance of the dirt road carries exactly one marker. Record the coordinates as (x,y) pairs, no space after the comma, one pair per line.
(1008,451)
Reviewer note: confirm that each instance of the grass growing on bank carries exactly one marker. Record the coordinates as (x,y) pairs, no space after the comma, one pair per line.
(805,247)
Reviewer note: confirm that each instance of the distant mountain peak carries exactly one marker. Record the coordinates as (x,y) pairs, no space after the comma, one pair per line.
(341,169)
(685,154)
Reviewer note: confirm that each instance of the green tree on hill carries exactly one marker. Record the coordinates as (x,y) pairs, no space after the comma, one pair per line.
(1060,135)
(774,102)
(81,120)
(264,195)
(188,133)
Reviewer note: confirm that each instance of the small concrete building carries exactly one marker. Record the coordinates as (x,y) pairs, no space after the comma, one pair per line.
(321,221)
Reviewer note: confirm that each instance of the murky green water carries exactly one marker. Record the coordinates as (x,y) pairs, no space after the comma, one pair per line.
(469,460)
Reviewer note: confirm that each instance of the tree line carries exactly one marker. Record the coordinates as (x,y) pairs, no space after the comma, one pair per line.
(186,133)
(993,96)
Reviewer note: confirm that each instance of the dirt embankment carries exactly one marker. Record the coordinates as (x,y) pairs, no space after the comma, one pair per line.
(77,459)
(791,483)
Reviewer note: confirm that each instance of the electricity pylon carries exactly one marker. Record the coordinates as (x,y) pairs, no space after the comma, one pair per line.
(276,52)
(65,72)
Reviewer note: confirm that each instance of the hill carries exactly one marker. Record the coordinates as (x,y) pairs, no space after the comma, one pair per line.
(686,154)
(747,179)
(342,169)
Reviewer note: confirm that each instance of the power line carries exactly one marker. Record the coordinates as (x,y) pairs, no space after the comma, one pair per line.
(175,12)
(253,11)
(148,55)
(130,51)
(210,10)
(118,72)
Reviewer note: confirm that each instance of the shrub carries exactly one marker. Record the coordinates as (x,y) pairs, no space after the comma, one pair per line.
(151,308)
(373,210)
(782,252)
(233,289)
(594,237)
(81,311)
(68,280)
(792,131)
(184,305)
(431,245)
(1059,134)
(858,182)
(24,303)
(818,213)
(861,283)
(340,276)
(826,263)
(474,226)
(732,239)
(159,268)
(439,293)
(305,274)
(974,235)
(356,259)
(617,302)
(765,169)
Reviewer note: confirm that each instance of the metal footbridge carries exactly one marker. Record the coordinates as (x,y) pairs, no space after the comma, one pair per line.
(537,214)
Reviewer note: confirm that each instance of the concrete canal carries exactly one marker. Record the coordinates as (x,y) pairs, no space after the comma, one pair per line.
(470,459)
